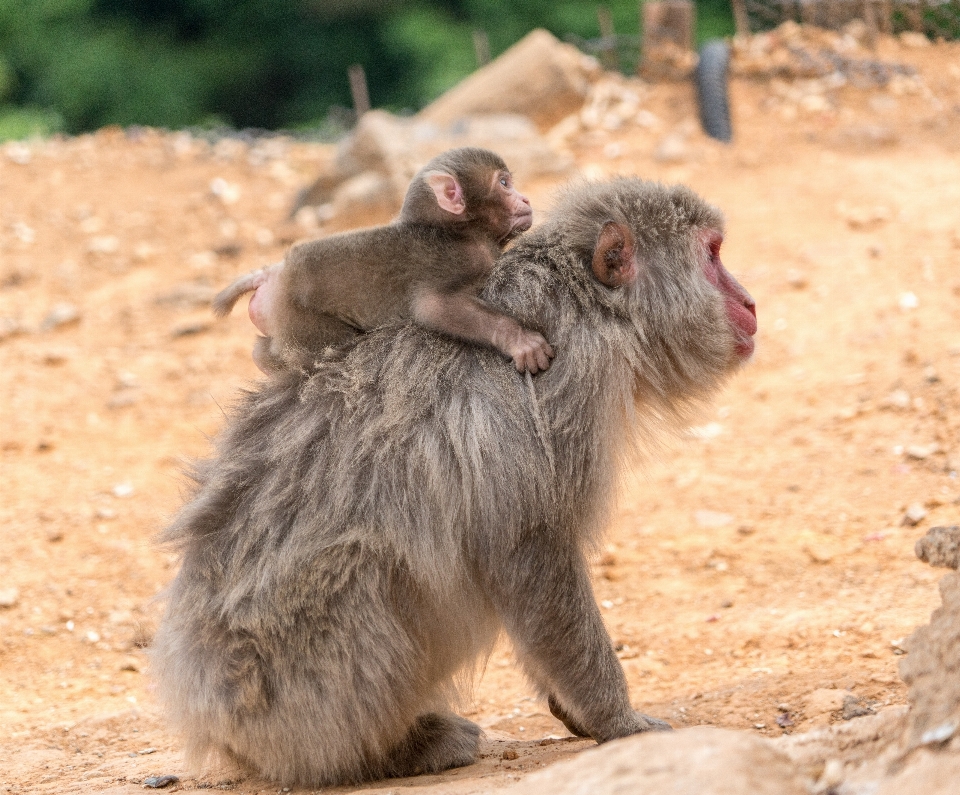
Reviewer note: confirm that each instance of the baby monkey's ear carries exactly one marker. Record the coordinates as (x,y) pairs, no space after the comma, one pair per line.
(447,190)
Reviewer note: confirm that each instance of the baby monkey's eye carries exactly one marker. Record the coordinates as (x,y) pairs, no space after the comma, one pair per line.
(505,180)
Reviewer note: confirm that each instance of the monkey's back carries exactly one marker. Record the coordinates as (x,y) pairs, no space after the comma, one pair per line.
(365,277)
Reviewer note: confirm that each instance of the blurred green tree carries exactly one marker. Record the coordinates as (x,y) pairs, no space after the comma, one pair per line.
(80,64)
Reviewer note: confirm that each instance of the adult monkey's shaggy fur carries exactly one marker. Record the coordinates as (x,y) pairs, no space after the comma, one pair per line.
(366,528)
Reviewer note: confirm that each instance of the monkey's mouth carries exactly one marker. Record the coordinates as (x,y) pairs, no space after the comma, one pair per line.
(520,224)
(743,316)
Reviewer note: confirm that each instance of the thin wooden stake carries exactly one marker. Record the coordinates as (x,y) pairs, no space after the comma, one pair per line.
(870,20)
(481,47)
(886,16)
(740,18)
(608,55)
(358,89)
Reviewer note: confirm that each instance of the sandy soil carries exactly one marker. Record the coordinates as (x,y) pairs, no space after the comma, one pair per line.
(756,574)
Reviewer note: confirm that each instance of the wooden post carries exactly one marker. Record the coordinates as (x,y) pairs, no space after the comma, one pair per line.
(740,18)
(481,47)
(608,53)
(358,89)
(669,21)
(833,15)
(870,20)
(886,16)
(911,10)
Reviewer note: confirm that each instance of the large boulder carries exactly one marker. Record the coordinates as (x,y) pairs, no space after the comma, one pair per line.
(697,761)
(539,77)
(373,167)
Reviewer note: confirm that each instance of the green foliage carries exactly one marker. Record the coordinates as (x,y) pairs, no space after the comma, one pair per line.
(262,63)
(19,123)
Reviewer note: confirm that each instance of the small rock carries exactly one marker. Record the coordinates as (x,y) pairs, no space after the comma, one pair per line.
(819,554)
(898,399)
(940,734)
(223,190)
(797,279)
(824,700)
(123,490)
(908,301)
(187,296)
(146,751)
(24,233)
(914,515)
(914,40)
(930,375)
(61,315)
(18,153)
(54,535)
(10,327)
(855,707)
(159,782)
(940,547)
(9,597)
(510,754)
(921,451)
(831,777)
(130,664)
(672,149)
(712,518)
(103,244)
(127,397)
(189,327)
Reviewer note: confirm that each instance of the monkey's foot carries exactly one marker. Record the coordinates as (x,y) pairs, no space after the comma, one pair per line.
(435,742)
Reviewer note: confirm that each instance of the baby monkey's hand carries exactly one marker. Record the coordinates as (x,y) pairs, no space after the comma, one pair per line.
(530,352)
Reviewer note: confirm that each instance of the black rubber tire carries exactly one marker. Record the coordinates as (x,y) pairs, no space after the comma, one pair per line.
(712,95)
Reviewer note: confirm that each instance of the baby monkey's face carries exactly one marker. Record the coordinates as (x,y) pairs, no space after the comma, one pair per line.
(510,210)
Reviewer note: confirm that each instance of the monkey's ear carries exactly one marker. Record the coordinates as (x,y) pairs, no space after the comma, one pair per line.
(447,190)
(614,258)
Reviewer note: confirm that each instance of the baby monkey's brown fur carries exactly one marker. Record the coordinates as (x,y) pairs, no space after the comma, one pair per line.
(460,210)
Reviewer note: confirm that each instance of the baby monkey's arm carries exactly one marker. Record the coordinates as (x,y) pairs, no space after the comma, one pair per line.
(463,315)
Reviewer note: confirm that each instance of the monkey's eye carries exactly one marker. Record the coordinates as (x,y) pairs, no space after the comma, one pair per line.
(505,181)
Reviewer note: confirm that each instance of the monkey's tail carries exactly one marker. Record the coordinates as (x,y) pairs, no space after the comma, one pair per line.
(540,425)
(224,300)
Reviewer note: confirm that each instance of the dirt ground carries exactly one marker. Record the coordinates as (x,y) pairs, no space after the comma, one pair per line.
(756,575)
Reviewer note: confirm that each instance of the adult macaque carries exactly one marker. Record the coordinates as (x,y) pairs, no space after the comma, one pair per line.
(460,210)
(368,527)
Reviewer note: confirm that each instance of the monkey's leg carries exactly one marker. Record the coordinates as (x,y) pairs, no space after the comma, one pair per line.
(550,613)
(436,742)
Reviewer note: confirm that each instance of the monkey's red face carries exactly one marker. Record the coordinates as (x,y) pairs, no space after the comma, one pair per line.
(741,308)
(512,213)
(615,265)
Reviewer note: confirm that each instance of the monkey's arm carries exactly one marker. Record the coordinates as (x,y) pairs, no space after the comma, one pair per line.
(542,593)
(462,315)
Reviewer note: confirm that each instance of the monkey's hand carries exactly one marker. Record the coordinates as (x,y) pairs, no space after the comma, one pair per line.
(564,717)
(630,723)
(529,351)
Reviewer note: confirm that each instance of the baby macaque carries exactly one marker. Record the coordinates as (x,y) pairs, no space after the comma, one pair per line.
(460,210)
